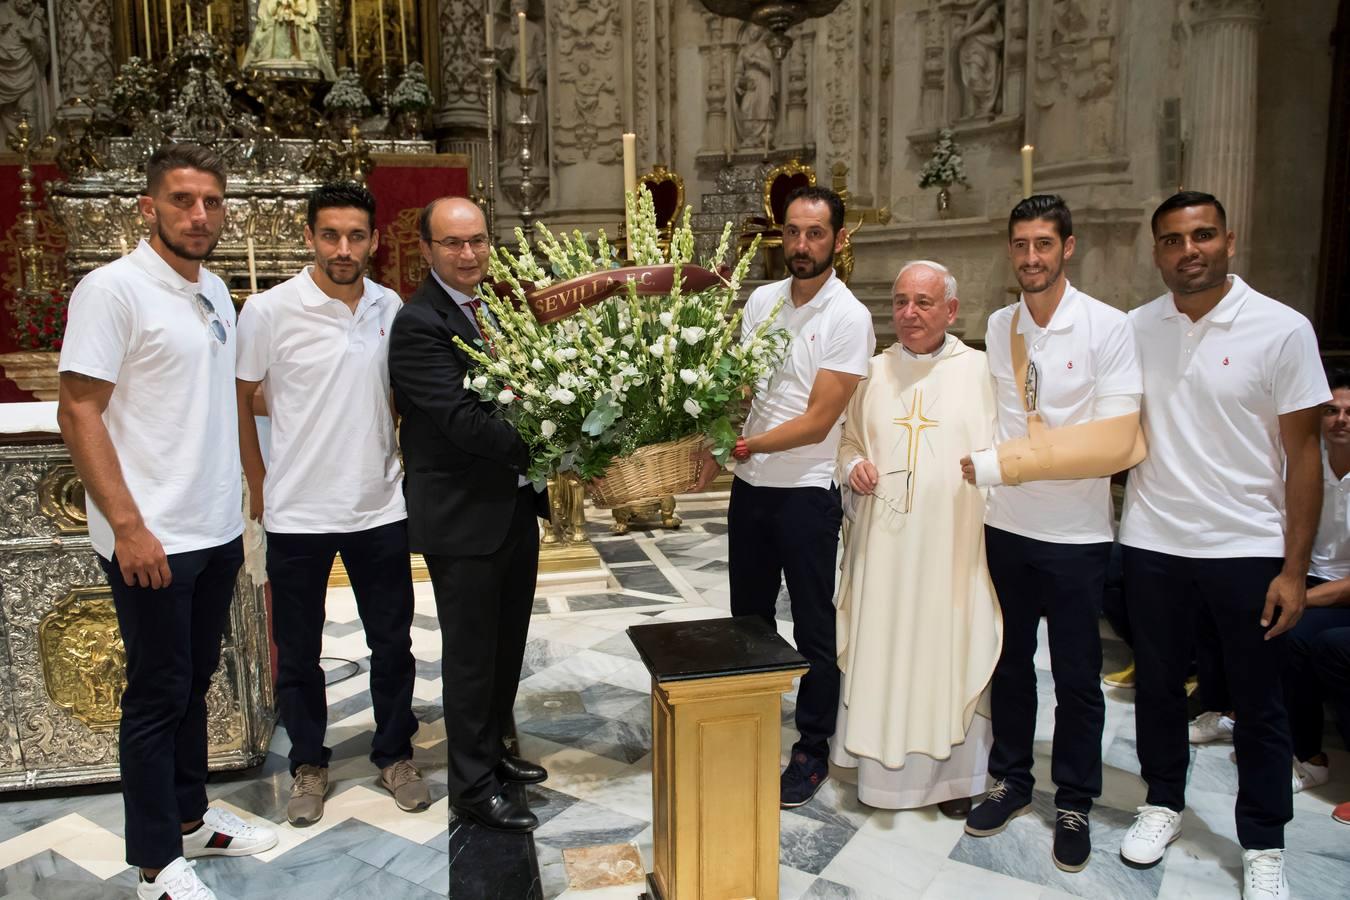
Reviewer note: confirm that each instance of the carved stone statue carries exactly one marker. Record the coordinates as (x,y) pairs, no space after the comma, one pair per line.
(756,108)
(979,49)
(286,40)
(24,53)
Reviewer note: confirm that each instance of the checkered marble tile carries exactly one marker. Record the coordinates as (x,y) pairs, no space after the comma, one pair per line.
(583,710)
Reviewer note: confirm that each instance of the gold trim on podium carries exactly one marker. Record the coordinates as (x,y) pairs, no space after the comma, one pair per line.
(715,749)
(338,577)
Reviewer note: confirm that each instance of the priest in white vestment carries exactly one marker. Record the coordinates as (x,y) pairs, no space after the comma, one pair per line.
(918,624)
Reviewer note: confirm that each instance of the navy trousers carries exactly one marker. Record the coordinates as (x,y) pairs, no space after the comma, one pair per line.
(377,564)
(1166,596)
(172,639)
(1064,583)
(792,533)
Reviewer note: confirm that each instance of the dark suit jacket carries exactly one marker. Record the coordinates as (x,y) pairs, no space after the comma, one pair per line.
(461,458)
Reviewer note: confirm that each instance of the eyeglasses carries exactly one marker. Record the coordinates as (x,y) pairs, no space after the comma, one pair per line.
(1031,387)
(898,505)
(456,245)
(208,313)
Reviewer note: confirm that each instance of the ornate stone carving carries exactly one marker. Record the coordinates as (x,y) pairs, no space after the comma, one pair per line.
(755,88)
(979,53)
(840,85)
(83,658)
(716,138)
(1015,57)
(588,37)
(461,40)
(85,45)
(25,52)
(1076,67)
(933,81)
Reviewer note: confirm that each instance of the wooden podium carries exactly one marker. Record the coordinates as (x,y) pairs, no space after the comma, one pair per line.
(717,687)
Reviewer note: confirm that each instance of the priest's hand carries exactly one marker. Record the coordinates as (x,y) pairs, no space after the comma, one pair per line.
(967,469)
(863,479)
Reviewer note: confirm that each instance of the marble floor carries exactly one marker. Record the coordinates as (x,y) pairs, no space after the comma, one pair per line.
(583,711)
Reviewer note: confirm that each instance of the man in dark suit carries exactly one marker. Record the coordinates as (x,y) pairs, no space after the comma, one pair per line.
(471,513)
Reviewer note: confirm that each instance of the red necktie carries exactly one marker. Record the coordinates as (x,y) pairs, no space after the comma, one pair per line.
(473,306)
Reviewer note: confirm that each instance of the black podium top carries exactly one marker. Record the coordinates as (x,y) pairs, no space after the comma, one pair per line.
(707,648)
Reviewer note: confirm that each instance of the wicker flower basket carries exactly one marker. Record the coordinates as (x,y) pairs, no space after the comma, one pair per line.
(650,473)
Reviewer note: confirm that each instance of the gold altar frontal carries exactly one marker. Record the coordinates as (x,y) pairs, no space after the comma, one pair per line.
(62,662)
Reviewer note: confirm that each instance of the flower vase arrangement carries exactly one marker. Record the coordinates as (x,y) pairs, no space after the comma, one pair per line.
(621,374)
(945,169)
(345,100)
(411,99)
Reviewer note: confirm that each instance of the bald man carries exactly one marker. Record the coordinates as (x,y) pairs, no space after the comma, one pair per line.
(471,514)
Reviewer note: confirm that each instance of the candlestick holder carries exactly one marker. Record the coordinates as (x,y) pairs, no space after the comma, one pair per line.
(383,81)
(487,69)
(527,193)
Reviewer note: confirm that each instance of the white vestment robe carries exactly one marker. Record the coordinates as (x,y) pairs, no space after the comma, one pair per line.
(918,624)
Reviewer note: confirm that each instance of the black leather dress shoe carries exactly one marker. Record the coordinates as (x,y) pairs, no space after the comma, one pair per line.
(520,771)
(498,812)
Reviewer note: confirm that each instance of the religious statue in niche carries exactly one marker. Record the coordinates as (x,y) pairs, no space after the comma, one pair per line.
(286,41)
(756,89)
(24,55)
(536,79)
(979,54)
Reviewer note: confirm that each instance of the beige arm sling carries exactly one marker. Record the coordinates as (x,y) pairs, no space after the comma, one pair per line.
(1088,450)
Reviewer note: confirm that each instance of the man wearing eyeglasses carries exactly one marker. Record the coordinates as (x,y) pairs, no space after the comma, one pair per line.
(471,513)
(147,409)
(319,345)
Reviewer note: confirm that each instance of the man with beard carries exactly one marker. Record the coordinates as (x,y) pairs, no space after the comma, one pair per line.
(785,512)
(471,514)
(1220,517)
(147,409)
(319,345)
(1067,387)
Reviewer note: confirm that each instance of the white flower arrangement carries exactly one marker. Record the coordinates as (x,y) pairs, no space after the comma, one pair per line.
(629,371)
(947,167)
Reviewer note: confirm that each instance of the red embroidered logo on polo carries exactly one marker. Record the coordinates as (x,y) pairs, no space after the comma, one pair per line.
(1225,360)
(1070,364)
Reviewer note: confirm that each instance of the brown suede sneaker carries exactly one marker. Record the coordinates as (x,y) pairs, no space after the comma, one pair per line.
(307,793)
(406,784)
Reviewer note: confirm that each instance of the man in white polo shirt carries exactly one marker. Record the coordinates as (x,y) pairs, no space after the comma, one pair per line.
(1221,516)
(1071,360)
(319,344)
(147,410)
(785,511)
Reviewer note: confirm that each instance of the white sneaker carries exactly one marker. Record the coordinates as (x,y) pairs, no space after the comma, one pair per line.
(1263,875)
(1309,775)
(176,881)
(1154,828)
(1209,727)
(223,833)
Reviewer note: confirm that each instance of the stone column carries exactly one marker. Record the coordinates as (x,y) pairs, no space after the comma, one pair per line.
(460,121)
(1221,109)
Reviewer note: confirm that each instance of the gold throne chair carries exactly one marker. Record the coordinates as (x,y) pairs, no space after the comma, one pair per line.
(667,190)
(779,183)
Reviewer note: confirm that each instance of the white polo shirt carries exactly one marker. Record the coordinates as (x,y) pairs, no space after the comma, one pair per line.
(833,331)
(1085,353)
(172,415)
(333,462)
(1331,549)
(1212,485)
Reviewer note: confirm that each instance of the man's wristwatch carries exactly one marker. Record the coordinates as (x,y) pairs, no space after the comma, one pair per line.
(742,450)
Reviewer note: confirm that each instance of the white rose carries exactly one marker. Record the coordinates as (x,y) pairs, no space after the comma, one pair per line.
(547,428)
(505,397)
(693,334)
(537,364)
(688,376)
(627,340)
(564,396)
(480,382)
(667,319)
(467,382)
(616,382)
(568,353)
(658,349)
(692,406)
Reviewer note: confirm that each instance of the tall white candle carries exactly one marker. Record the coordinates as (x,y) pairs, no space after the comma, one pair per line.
(1027,152)
(188,6)
(403,33)
(168,24)
(145,6)
(353,30)
(379,17)
(208,19)
(488,30)
(520,51)
(252,268)
(122,242)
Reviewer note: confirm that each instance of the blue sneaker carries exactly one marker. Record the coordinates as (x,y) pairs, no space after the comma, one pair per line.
(801,779)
